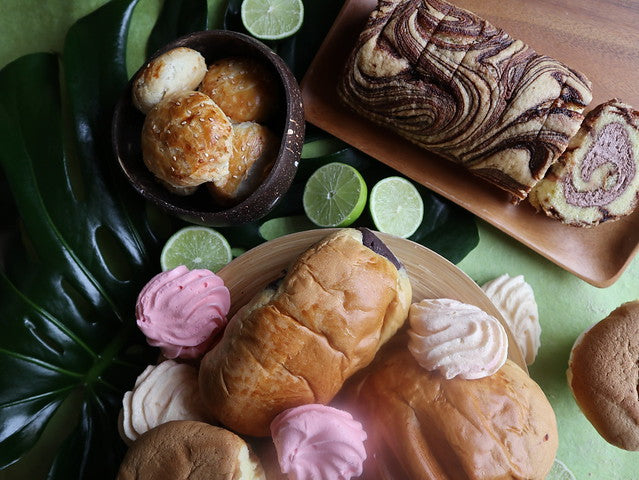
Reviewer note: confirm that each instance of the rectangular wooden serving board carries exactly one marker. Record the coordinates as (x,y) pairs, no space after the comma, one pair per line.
(597,37)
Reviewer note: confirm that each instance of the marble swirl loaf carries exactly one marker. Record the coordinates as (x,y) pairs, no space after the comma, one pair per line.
(454,84)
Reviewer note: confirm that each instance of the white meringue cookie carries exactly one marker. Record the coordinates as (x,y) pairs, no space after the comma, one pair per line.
(515,300)
(164,392)
(456,339)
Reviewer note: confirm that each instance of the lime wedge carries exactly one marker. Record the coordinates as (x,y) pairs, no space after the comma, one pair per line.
(559,471)
(334,196)
(272,19)
(280,226)
(396,207)
(196,247)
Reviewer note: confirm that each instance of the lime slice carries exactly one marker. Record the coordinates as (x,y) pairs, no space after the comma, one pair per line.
(196,247)
(334,196)
(280,226)
(237,251)
(396,207)
(272,19)
(559,471)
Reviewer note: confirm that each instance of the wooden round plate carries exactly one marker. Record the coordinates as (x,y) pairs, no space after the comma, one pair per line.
(431,275)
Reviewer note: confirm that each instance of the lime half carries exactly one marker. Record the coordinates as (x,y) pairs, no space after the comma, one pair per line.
(334,196)
(280,226)
(272,19)
(196,247)
(396,207)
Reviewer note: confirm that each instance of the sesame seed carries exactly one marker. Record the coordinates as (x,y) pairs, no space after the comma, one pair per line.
(183,122)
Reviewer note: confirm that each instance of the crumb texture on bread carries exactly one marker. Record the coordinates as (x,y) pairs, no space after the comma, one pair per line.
(454,84)
(426,426)
(338,303)
(597,177)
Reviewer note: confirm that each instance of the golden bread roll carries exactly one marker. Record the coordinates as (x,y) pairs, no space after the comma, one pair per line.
(422,426)
(175,71)
(193,450)
(243,88)
(603,375)
(297,343)
(187,140)
(254,150)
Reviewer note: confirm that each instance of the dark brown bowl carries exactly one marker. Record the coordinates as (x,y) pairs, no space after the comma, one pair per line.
(200,208)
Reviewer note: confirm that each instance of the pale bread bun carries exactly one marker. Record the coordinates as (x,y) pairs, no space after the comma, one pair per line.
(603,373)
(297,343)
(172,72)
(193,450)
(187,140)
(254,151)
(244,88)
(421,425)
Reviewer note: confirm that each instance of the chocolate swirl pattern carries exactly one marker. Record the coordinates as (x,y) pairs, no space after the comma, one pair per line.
(454,84)
(456,339)
(596,179)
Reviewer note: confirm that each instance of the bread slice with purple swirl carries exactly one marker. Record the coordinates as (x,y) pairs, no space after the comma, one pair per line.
(597,178)
(456,85)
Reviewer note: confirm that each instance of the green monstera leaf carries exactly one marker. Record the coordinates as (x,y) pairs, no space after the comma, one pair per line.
(83,249)
(81,243)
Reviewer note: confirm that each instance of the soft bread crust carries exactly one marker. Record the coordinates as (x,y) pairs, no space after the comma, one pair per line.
(244,88)
(424,426)
(193,450)
(254,151)
(339,302)
(172,72)
(604,376)
(187,140)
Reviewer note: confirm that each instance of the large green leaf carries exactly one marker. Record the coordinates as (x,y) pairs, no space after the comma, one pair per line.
(68,288)
(177,18)
(82,243)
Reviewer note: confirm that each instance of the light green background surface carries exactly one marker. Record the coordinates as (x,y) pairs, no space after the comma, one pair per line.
(567,305)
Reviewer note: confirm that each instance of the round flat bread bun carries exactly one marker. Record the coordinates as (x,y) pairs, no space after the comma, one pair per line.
(174,71)
(193,450)
(187,140)
(243,88)
(603,374)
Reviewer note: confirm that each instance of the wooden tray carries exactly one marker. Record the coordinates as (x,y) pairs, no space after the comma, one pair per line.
(597,37)
(431,275)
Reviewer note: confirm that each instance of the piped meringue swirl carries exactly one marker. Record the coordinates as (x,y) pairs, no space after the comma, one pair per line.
(515,300)
(182,311)
(456,339)
(319,442)
(164,392)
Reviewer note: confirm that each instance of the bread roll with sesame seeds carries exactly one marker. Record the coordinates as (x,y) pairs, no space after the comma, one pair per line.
(177,70)
(254,151)
(187,140)
(243,88)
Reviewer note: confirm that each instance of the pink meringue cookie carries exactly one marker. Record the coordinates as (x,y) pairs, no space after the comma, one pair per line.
(456,339)
(181,311)
(316,442)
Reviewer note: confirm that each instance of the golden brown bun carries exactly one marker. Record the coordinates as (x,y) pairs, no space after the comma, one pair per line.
(193,450)
(338,303)
(187,140)
(254,151)
(244,88)
(604,376)
(172,72)
(422,426)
